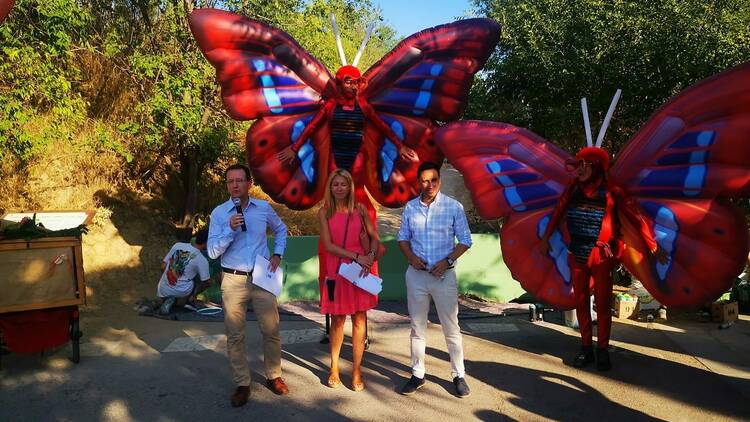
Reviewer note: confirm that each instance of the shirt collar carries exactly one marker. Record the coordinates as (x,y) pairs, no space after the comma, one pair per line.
(230,205)
(438,197)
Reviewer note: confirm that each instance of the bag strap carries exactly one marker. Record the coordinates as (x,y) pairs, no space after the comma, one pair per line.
(346,233)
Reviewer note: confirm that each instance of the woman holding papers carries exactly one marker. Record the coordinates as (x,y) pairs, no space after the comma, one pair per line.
(349,237)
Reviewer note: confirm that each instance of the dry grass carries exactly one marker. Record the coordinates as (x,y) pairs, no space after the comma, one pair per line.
(69,175)
(79,181)
(59,181)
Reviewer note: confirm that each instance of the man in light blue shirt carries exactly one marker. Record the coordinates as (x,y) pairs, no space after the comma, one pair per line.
(429,227)
(237,234)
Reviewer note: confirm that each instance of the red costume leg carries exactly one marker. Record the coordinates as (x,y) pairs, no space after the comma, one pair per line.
(581,276)
(602,274)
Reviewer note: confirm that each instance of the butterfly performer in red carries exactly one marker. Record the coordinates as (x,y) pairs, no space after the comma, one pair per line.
(662,209)
(588,205)
(377,125)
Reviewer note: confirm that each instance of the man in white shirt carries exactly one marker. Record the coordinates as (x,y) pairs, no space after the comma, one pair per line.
(430,226)
(180,266)
(237,234)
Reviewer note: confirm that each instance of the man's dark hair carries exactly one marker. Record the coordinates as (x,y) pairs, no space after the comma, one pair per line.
(427,165)
(201,237)
(242,167)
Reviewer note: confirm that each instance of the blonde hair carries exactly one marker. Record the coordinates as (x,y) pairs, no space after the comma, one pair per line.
(329,202)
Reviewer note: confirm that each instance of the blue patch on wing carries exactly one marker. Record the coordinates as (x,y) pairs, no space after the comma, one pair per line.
(558,250)
(388,156)
(666,230)
(306,153)
(682,170)
(699,139)
(522,187)
(388,152)
(283,94)
(413,92)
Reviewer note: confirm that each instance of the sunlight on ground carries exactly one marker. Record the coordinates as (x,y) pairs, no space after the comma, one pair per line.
(107,249)
(119,343)
(116,410)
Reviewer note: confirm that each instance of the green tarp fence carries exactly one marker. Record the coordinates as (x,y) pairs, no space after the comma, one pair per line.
(481,271)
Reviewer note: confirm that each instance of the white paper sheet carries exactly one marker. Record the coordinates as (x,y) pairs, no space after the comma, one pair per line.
(370,283)
(265,279)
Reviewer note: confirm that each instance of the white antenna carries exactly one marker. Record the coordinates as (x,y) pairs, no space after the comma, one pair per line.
(586,123)
(338,40)
(370,27)
(607,118)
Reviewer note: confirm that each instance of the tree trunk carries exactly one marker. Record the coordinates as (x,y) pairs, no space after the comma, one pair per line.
(189,170)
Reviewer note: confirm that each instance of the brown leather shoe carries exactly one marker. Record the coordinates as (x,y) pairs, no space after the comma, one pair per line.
(240,396)
(277,386)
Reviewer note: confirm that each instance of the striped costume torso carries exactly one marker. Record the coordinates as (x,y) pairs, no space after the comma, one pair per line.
(346,135)
(584,221)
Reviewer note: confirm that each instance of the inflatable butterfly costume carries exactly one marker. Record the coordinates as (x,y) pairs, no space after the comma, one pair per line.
(265,75)
(669,190)
(5,6)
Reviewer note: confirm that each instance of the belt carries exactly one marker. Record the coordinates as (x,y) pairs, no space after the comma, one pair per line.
(236,272)
(428,270)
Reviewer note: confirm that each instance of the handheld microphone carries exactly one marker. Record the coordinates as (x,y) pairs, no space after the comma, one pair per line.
(238,206)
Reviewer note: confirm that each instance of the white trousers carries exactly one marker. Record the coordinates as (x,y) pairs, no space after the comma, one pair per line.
(420,286)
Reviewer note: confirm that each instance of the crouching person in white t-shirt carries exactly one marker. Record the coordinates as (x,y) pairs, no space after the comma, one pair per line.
(181,265)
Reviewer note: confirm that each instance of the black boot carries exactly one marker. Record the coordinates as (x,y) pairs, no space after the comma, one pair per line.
(584,357)
(602,360)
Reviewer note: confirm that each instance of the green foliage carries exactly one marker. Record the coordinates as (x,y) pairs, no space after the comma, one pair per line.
(312,29)
(126,77)
(553,52)
(38,72)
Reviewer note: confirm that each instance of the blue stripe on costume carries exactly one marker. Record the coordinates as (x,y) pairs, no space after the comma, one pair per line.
(685,170)
(425,92)
(269,91)
(558,251)
(388,152)
(518,191)
(694,139)
(306,153)
(504,165)
(666,231)
(280,91)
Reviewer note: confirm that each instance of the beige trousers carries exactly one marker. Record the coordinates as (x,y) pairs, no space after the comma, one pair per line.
(236,292)
(420,286)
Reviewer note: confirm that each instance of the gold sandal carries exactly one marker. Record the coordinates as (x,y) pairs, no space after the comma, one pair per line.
(359,386)
(333,381)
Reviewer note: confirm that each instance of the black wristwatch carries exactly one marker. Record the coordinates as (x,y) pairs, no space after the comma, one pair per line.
(279,255)
(450,261)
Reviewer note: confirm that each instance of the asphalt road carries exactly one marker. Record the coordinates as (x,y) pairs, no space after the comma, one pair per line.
(145,369)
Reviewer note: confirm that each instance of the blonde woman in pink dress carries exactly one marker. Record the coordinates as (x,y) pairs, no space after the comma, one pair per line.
(348,235)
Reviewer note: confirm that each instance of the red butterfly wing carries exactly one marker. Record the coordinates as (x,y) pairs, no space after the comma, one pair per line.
(506,168)
(390,179)
(429,74)
(262,70)
(5,6)
(512,172)
(299,185)
(695,146)
(692,153)
(707,245)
